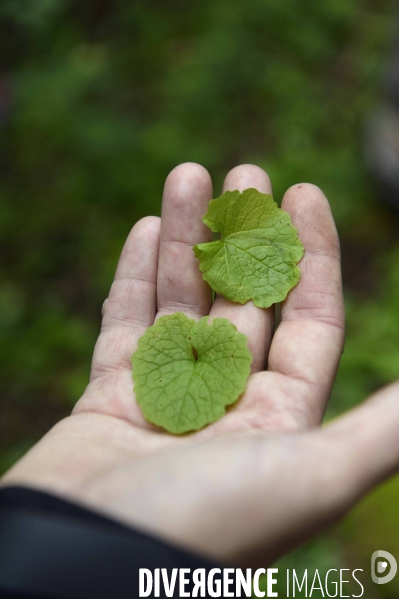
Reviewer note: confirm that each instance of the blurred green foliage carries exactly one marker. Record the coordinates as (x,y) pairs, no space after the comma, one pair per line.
(99,100)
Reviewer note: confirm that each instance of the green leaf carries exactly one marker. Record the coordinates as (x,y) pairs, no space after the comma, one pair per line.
(185,372)
(256,256)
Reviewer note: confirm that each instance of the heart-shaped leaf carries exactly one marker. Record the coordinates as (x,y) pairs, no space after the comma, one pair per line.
(258,251)
(185,372)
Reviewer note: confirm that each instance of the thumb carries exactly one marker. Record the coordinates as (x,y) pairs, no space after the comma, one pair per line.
(363,446)
(334,467)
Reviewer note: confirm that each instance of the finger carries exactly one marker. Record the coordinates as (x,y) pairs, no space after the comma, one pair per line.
(308,342)
(256,323)
(131,305)
(181,287)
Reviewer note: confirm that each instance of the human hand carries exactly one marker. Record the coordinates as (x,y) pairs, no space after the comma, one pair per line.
(266,476)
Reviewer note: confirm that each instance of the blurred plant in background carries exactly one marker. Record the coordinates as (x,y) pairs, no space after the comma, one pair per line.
(100,100)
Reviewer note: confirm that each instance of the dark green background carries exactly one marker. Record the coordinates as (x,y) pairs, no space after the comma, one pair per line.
(100,99)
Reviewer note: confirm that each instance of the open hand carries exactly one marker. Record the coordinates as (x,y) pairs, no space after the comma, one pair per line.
(265,476)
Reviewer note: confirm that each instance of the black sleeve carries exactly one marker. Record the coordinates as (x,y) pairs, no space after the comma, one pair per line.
(50,548)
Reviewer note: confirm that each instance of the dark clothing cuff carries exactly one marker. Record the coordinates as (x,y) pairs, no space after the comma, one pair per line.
(51,548)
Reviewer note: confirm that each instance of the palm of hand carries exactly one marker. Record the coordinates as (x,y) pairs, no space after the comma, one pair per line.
(262,476)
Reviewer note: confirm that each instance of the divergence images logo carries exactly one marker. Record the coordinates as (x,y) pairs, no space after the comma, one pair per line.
(384,559)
